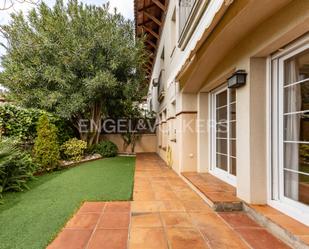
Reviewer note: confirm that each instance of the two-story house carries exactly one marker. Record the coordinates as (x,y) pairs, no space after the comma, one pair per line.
(229,81)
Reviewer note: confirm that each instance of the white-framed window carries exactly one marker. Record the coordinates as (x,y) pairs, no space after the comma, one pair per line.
(173,32)
(223,134)
(290,129)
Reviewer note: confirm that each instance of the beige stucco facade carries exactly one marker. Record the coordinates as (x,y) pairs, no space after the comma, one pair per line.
(229,36)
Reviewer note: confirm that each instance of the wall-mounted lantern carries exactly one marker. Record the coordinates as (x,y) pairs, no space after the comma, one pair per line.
(238,79)
(155,82)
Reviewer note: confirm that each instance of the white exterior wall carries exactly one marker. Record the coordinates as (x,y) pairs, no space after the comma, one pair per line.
(174,60)
(284,22)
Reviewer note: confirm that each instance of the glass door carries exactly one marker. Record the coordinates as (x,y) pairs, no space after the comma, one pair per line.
(290,131)
(224,134)
(294,123)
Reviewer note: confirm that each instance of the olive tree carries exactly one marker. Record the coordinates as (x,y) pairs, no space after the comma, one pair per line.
(73,60)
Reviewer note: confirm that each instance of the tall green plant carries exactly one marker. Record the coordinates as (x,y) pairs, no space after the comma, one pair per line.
(46,147)
(16,167)
(73,60)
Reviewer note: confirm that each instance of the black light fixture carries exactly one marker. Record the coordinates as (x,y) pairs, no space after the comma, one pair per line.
(238,79)
(155,82)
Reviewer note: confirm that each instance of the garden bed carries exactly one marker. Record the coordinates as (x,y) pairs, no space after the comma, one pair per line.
(68,164)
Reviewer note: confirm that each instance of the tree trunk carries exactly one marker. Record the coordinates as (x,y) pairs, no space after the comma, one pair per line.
(83,135)
(92,134)
(133,143)
(95,124)
(126,141)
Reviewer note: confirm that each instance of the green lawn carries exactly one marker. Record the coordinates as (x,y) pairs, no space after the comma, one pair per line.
(32,219)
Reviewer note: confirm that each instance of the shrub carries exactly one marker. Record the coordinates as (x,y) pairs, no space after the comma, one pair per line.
(46,147)
(74,149)
(106,149)
(21,123)
(16,167)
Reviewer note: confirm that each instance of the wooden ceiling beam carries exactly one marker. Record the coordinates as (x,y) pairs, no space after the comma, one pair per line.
(148,66)
(144,23)
(146,7)
(150,63)
(159,4)
(153,18)
(151,44)
(156,35)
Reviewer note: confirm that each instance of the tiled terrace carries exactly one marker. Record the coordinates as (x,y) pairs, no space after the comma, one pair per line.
(220,195)
(165,214)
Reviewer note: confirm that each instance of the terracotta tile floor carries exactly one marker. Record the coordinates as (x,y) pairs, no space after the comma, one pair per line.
(165,214)
(221,194)
(96,225)
(287,223)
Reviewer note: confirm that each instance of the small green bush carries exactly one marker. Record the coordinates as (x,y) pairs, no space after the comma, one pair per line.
(16,167)
(46,148)
(21,123)
(74,149)
(106,149)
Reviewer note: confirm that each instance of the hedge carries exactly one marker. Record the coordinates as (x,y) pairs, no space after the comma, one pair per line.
(21,123)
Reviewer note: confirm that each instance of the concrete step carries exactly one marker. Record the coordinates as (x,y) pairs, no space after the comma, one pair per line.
(218,194)
(221,197)
(282,226)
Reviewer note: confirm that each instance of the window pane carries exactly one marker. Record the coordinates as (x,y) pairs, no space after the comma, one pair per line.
(233,130)
(222,146)
(221,99)
(233,166)
(222,162)
(222,114)
(296,68)
(296,187)
(296,157)
(296,127)
(296,97)
(233,148)
(233,111)
(232,95)
(222,130)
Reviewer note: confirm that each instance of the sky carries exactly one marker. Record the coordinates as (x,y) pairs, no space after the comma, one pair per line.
(126,7)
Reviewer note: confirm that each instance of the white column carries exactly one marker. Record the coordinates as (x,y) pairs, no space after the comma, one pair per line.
(251,135)
(202,132)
